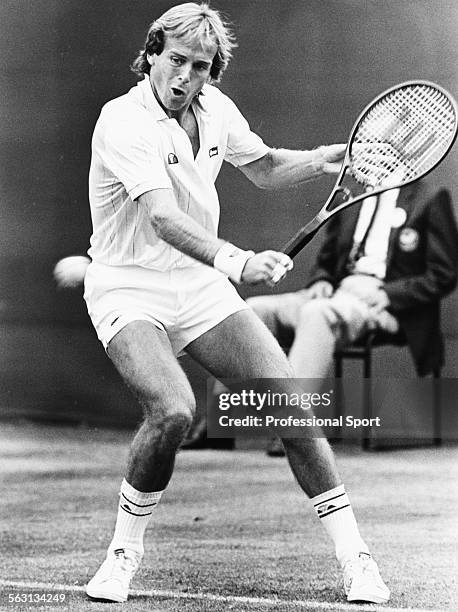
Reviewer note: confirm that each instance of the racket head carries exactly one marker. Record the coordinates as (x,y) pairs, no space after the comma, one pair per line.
(413,125)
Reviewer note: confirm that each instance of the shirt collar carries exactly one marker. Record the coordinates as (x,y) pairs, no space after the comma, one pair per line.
(149,100)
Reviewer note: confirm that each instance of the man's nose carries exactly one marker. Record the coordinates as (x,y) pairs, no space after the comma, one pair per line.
(185,73)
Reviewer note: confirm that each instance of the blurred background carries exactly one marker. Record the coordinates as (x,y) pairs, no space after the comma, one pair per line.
(303,71)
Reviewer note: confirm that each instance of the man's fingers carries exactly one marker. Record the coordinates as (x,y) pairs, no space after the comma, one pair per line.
(278,273)
(332,168)
(334,152)
(281,268)
(268,267)
(287,262)
(273,258)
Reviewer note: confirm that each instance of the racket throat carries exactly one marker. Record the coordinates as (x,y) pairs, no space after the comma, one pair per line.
(297,242)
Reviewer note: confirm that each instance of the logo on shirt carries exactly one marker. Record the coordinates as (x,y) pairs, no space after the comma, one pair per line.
(213,151)
(409,239)
(172,158)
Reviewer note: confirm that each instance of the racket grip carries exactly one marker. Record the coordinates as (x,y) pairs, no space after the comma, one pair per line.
(302,238)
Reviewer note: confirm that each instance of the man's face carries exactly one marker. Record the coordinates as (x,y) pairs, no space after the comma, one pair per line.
(178,74)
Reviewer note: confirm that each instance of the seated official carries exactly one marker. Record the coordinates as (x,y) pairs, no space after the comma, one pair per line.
(385,264)
(383,267)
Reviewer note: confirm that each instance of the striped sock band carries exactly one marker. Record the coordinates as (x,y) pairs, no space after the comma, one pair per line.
(331,501)
(336,514)
(134,512)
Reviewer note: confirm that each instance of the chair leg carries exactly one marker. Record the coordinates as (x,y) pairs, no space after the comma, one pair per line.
(338,366)
(367,396)
(367,412)
(338,403)
(437,408)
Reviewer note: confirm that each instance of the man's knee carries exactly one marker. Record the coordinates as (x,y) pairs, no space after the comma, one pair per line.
(319,309)
(170,408)
(176,424)
(318,315)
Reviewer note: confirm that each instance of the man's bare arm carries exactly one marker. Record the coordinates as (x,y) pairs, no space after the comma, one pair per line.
(286,168)
(182,232)
(177,228)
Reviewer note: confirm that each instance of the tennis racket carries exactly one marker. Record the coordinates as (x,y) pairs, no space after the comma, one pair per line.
(399,137)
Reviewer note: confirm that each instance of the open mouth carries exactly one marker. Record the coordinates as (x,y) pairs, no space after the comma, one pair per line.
(177,92)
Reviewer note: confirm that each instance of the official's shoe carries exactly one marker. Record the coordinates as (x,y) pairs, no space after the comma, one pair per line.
(198,440)
(275,448)
(112,580)
(362,580)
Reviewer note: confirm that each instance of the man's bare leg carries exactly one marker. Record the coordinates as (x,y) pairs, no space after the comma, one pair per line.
(312,351)
(309,324)
(241,347)
(144,358)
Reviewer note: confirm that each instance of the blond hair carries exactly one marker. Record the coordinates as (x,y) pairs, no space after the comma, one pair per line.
(189,22)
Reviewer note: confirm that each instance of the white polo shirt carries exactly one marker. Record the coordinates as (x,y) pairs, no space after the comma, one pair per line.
(137,148)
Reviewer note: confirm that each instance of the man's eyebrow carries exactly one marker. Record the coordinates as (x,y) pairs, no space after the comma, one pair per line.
(183,56)
(174,52)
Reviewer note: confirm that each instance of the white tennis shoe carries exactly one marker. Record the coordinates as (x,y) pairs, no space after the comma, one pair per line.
(112,580)
(362,580)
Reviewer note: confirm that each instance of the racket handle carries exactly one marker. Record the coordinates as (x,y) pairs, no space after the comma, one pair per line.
(302,238)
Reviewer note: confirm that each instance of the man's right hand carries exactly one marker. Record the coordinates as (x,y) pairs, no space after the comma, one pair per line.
(268,267)
(320,289)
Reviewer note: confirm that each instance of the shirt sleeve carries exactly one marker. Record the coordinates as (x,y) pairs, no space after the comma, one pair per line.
(129,149)
(243,145)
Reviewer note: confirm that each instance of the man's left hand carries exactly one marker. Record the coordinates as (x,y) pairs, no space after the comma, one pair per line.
(332,157)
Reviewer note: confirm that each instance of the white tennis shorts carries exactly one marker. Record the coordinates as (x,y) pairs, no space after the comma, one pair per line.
(183,302)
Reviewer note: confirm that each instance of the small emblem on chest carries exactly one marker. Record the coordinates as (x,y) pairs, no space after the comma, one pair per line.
(409,239)
(213,151)
(172,158)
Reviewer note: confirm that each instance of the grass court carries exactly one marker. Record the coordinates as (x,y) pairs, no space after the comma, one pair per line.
(233,531)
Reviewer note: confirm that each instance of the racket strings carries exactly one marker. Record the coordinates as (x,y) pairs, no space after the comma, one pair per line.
(403,135)
(413,133)
(439,111)
(427,127)
(412,130)
(418,113)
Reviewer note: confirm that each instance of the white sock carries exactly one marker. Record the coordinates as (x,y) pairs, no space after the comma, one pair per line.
(334,510)
(134,512)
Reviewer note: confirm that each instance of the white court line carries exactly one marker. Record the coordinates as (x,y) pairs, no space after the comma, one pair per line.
(298,603)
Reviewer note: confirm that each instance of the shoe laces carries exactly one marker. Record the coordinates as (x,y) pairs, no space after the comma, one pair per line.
(363,564)
(124,565)
(367,564)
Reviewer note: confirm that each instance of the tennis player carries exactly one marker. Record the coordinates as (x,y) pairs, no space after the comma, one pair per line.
(158,282)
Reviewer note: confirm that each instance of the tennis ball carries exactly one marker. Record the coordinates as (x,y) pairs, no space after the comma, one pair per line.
(69,272)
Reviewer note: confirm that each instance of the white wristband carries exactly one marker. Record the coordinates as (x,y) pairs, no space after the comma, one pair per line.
(231,260)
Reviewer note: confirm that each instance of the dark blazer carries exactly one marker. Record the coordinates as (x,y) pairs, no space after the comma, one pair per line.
(421,265)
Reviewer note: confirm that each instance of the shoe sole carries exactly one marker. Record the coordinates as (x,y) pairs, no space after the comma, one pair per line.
(105,596)
(368,598)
